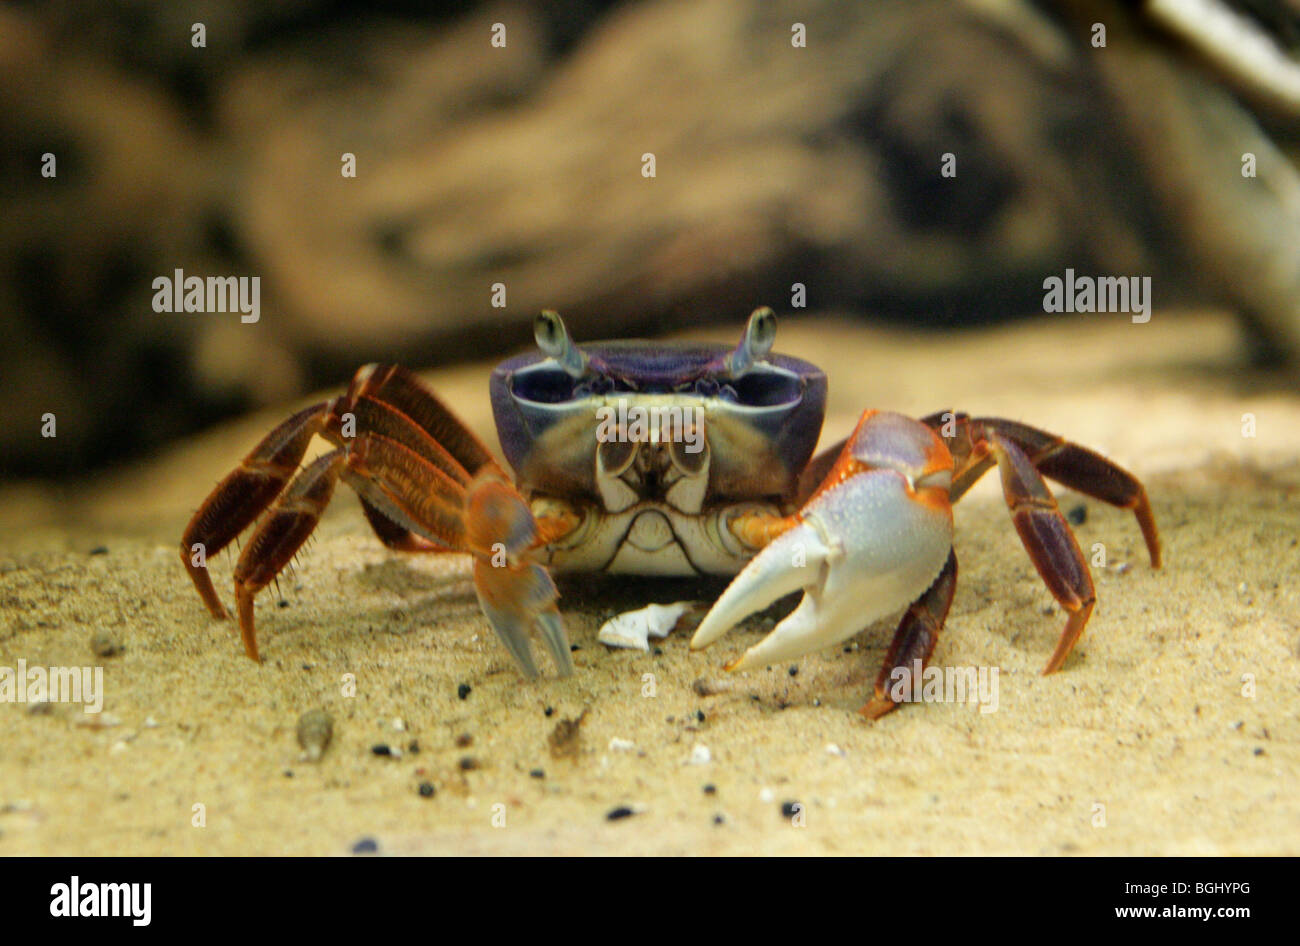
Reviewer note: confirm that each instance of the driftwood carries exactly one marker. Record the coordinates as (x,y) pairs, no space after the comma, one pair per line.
(523,166)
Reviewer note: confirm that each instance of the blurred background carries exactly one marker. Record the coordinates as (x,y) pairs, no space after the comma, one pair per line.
(522,164)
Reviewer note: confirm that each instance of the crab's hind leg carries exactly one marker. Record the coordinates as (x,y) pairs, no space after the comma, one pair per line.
(243,495)
(915,637)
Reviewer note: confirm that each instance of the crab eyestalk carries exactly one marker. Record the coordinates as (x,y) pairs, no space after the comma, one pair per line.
(553,339)
(760,333)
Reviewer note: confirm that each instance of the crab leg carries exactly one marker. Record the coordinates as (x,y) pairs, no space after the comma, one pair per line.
(915,637)
(245,492)
(873,537)
(1047,538)
(279,536)
(1067,463)
(426,483)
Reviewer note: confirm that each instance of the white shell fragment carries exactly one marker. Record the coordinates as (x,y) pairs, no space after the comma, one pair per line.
(634,628)
(700,755)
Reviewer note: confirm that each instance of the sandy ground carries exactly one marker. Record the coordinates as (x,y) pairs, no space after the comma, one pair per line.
(1149,741)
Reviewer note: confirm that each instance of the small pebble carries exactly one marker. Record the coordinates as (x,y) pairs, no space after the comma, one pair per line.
(468,763)
(538,773)
(832,749)
(315,730)
(699,716)
(621,745)
(399,725)
(794,671)
(99,550)
(366,846)
(43,708)
(790,808)
(464,740)
(382,748)
(766,795)
(1078,515)
(413,747)
(616,814)
(464,690)
(103,644)
(549,710)
(282,603)
(700,755)
(427,790)
(710,789)
(719,820)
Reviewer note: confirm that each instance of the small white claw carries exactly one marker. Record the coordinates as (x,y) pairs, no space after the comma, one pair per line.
(866,548)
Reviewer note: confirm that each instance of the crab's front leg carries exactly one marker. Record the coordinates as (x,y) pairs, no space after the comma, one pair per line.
(872,539)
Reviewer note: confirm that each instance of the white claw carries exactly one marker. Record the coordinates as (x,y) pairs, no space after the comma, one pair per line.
(866,548)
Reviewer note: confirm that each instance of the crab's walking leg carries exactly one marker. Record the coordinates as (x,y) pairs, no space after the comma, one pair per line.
(915,638)
(239,498)
(279,536)
(1047,538)
(426,483)
(873,537)
(1067,463)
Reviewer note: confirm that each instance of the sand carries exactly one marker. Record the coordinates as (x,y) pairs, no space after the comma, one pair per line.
(1150,741)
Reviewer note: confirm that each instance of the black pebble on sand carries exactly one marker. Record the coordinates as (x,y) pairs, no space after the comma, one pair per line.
(618,814)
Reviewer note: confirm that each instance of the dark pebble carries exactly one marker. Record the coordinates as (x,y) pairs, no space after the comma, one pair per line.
(381,749)
(619,813)
(427,790)
(288,773)
(794,671)
(468,763)
(658,651)
(788,808)
(710,789)
(464,690)
(574,648)
(365,846)
(463,740)
(549,710)
(282,603)
(1078,514)
(1259,750)
(99,550)
(102,644)
(414,747)
(699,715)
(538,773)
(719,820)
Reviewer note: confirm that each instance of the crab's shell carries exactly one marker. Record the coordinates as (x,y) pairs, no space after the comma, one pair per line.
(761,430)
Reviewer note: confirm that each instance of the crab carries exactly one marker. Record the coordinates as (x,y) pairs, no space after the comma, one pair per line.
(661,458)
